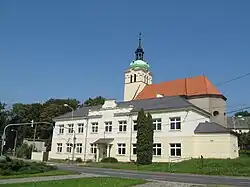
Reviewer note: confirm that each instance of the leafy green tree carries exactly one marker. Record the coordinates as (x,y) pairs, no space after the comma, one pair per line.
(243,113)
(144,137)
(94,102)
(3,116)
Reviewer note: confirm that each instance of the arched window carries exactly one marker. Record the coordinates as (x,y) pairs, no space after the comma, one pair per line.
(134,77)
(131,78)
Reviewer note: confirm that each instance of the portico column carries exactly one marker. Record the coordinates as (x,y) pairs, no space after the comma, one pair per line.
(97,153)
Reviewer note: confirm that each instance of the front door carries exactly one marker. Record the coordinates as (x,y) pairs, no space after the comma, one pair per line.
(102,152)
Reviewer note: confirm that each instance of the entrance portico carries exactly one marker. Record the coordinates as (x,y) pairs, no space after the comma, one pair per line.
(103,148)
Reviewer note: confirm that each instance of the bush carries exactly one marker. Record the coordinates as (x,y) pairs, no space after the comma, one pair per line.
(89,161)
(109,160)
(24,151)
(15,167)
(79,160)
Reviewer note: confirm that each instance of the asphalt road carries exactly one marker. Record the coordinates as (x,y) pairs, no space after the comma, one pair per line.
(172,177)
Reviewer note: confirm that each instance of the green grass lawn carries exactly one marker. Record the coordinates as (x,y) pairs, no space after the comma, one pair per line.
(84,182)
(49,173)
(229,167)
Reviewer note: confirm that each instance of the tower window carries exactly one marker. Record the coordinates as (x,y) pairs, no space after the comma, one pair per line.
(134,77)
(215,113)
(131,78)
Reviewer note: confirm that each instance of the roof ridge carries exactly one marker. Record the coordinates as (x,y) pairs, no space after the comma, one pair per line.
(205,82)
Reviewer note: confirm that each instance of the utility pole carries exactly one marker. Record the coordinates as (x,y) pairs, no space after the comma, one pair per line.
(34,136)
(14,153)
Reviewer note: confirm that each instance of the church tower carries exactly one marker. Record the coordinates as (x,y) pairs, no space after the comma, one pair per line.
(137,76)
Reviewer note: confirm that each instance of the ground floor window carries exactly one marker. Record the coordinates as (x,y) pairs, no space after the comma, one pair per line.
(93,148)
(79,148)
(69,147)
(175,149)
(59,147)
(134,149)
(121,148)
(157,149)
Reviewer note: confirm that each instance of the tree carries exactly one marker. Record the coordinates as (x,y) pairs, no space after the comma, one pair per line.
(144,137)
(3,116)
(94,102)
(243,113)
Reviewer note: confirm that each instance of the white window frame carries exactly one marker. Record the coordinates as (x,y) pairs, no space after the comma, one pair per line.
(93,148)
(59,148)
(79,148)
(134,149)
(135,125)
(61,129)
(108,126)
(175,147)
(157,122)
(173,123)
(69,147)
(121,148)
(70,128)
(122,127)
(156,147)
(94,127)
(80,128)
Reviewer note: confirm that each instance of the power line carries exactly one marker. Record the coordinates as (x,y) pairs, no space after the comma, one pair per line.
(233,79)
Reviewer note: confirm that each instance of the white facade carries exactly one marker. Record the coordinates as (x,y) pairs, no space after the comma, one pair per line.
(110,123)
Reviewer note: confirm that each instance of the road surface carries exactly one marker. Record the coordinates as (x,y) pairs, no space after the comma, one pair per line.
(172,177)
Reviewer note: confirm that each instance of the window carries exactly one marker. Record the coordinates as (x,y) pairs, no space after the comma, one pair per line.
(95,127)
(69,147)
(131,78)
(80,127)
(71,128)
(175,123)
(79,148)
(59,147)
(121,148)
(108,126)
(134,77)
(175,149)
(134,149)
(61,129)
(135,125)
(157,149)
(122,126)
(93,148)
(157,124)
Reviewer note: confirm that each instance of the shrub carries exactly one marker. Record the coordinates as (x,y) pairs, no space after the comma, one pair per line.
(89,161)
(79,160)
(15,166)
(109,160)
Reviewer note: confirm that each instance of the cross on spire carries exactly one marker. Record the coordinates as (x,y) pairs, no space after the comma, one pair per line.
(139,51)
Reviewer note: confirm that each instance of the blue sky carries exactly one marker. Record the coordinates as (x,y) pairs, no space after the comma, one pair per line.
(80,49)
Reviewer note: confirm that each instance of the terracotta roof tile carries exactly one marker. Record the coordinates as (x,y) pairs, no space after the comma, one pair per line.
(194,86)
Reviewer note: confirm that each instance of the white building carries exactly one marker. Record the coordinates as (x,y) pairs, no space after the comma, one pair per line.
(183,129)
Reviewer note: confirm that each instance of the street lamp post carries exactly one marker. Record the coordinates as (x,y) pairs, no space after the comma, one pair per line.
(74,134)
(15,141)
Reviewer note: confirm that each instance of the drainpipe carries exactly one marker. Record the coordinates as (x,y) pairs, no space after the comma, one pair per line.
(85,142)
(131,132)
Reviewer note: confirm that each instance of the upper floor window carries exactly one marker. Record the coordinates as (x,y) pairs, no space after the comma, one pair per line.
(175,123)
(135,125)
(61,129)
(59,147)
(157,124)
(108,126)
(79,147)
(122,126)
(80,128)
(175,149)
(70,128)
(95,127)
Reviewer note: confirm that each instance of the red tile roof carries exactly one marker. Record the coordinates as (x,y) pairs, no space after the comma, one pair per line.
(194,86)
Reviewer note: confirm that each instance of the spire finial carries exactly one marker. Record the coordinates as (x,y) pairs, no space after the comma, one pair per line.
(139,39)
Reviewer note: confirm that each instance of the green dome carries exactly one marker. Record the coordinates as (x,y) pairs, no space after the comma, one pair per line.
(139,64)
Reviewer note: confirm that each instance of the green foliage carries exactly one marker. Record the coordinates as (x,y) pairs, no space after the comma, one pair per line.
(94,102)
(243,113)
(24,151)
(144,137)
(79,160)
(15,167)
(109,160)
